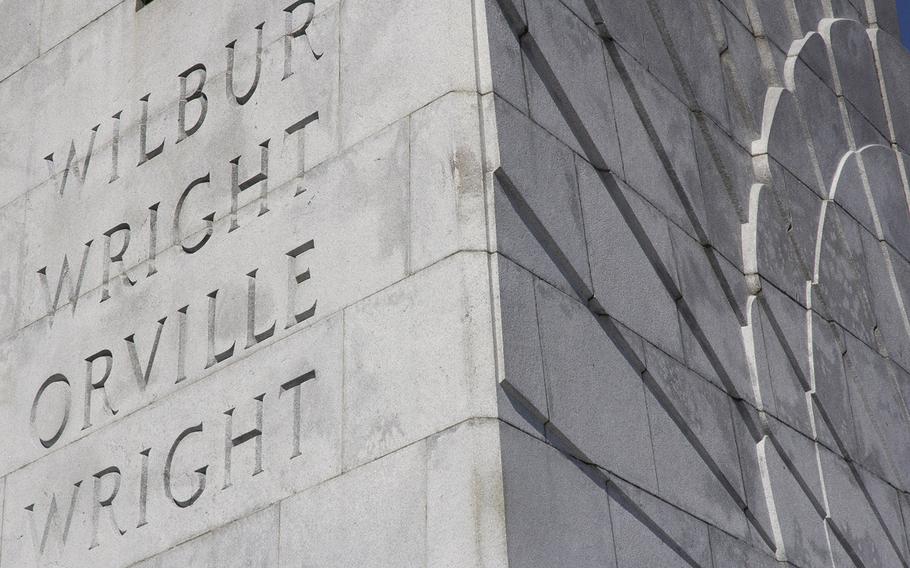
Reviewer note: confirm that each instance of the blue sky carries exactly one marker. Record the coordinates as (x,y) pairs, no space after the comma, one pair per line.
(903,9)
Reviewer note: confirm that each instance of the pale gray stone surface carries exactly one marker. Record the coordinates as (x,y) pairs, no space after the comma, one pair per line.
(454,283)
(20,43)
(247,543)
(418,358)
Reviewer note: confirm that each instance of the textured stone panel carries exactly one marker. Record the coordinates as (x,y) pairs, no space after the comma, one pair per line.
(247,543)
(177,474)
(558,507)
(21,42)
(418,358)
(596,399)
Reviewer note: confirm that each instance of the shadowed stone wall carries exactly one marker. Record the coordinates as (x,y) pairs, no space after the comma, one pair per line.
(702,227)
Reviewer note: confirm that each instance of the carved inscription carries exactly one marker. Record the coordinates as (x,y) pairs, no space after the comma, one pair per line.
(114,500)
(198,211)
(98,365)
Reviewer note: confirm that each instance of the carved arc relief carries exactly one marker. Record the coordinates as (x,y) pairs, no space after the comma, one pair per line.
(825,251)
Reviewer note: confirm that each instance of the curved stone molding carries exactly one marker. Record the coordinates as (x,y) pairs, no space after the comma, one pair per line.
(825,251)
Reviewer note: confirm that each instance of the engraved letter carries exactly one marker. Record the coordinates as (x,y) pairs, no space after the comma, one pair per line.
(53,379)
(153,239)
(237,186)
(181,344)
(294,385)
(71,164)
(209,219)
(182,131)
(91,385)
(115,149)
(252,337)
(105,502)
(292,33)
(242,100)
(144,154)
(52,519)
(183,503)
(215,358)
(144,488)
(230,442)
(300,126)
(142,377)
(294,280)
(118,258)
(52,304)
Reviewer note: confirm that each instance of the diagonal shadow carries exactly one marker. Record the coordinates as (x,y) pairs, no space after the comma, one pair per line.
(839,442)
(558,257)
(561,443)
(540,64)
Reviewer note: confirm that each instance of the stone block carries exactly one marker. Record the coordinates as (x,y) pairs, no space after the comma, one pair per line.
(384,44)
(705,425)
(866,510)
(879,414)
(737,8)
(631,23)
(793,484)
(465,497)
(650,532)
(785,224)
(729,551)
(501,66)
(60,20)
(842,289)
(745,76)
(823,122)
(855,62)
(713,318)
(882,262)
(788,356)
(886,16)
(753,450)
(557,511)
(864,131)
(447,208)
(777,22)
(695,39)
(568,58)
(522,371)
(539,221)
(597,398)
(250,542)
(629,249)
(374,515)
(418,358)
(726,173)
(677,193)
(21,44)
(834,422)
(894,67)
(12,229)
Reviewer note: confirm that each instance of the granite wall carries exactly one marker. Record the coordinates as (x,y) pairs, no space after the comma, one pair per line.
(452,283)
(701,219)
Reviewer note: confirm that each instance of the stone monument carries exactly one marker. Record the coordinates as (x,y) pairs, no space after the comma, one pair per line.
(454,283)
